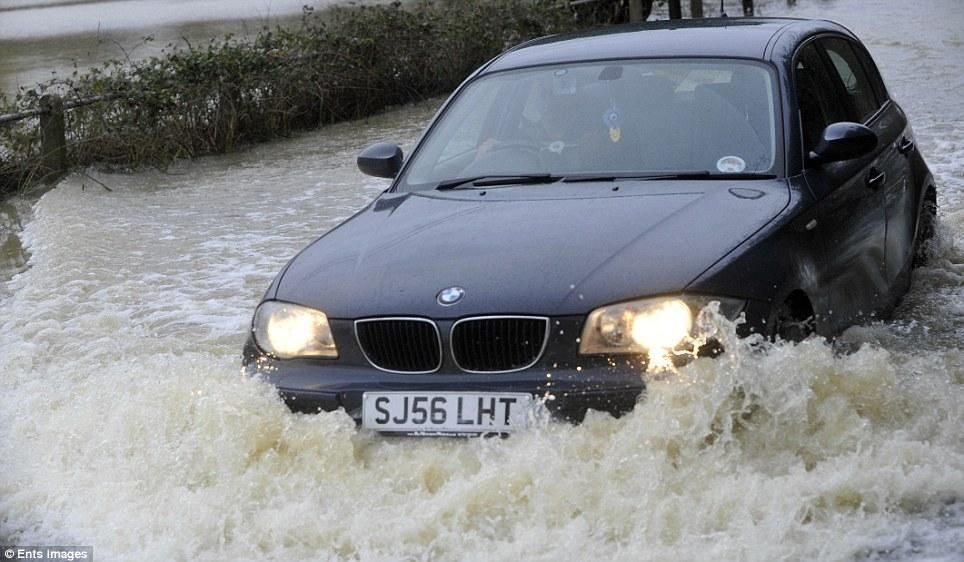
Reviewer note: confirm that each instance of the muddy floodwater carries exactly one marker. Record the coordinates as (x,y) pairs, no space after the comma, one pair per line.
(125,423)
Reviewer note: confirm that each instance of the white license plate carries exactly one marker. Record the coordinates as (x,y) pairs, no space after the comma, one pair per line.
(446,412)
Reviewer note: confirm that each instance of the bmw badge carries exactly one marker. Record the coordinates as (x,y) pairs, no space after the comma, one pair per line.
(450,296)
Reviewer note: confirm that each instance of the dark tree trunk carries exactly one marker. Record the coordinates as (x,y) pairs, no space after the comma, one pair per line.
(639,10)
(647,9)
(675,10)
(696,8)
(747,7)
(53,138)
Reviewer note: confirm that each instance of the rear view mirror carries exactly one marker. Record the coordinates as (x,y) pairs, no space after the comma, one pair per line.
(843,141)
(382,160)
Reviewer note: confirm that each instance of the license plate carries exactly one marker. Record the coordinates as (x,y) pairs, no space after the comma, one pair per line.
(444,413)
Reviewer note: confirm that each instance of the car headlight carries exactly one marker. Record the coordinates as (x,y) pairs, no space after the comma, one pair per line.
(647,325)
(288,330)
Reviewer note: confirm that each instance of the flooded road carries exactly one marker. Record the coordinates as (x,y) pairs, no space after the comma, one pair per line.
(125,423)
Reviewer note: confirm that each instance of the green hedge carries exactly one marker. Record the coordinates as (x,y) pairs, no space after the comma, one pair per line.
(343,63)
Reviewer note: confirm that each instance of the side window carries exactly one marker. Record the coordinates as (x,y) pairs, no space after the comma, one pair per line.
(816,95)
(863,101)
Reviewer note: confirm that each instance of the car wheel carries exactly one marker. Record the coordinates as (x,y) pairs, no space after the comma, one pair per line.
(794,320)
(926,223)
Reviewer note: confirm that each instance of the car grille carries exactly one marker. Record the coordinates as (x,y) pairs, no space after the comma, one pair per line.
(498,343)
(403,345)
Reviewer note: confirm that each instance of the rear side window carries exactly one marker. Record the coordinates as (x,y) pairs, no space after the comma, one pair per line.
(817,95)
(863,100)
(876,82)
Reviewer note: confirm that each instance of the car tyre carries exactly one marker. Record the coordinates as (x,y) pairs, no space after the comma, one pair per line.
(926,225)
(791,324)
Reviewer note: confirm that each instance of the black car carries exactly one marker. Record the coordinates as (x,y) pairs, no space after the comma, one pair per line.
(578,201)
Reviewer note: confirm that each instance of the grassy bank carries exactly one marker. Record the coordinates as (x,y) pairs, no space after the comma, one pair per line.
(346,63)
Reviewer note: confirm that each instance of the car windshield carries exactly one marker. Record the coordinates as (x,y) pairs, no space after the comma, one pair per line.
(619,118)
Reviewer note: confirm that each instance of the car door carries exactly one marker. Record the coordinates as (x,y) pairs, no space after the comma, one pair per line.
(901,197)
(865,89)
(851,220)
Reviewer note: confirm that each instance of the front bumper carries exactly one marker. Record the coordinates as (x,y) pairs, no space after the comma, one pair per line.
(569,384)
(568,393)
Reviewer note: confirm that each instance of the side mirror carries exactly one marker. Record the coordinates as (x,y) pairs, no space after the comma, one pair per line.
(382,160)
(843,141)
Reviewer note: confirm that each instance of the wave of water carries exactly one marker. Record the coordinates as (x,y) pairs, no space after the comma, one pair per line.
(124,422)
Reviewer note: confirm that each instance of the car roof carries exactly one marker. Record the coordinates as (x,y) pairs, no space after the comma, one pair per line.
(716,37)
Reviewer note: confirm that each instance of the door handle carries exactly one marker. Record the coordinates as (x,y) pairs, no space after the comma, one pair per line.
(904,145)
(875,178)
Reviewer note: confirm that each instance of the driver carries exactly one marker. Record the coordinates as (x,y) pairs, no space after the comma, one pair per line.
(565,120)
(572,129)
(564,132)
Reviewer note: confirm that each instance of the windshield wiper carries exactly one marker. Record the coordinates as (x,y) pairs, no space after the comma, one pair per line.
(687,175)
(487,181)
(530,179)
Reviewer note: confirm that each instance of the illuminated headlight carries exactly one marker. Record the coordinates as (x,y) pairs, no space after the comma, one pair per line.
(647,325)
(288,330)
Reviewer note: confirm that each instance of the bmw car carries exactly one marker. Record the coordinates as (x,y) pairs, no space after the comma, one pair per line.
(576,205)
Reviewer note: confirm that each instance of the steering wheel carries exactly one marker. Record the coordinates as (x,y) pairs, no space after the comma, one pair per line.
(507,157)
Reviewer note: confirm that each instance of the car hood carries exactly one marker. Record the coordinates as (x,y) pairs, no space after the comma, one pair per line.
(540,249)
